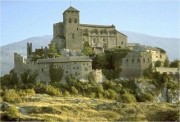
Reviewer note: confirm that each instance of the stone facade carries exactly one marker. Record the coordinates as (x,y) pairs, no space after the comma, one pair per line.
(135,63)
(70,34)
(78,66)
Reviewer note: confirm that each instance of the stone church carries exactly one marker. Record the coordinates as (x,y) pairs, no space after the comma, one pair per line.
(70,34)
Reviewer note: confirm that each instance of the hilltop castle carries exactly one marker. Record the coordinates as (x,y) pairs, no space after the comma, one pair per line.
(69,37)
(70,34)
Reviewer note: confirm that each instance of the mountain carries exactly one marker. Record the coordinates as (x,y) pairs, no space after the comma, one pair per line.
(171,45)
(7,52)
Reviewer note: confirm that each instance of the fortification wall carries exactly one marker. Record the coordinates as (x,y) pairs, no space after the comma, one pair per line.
(134,64)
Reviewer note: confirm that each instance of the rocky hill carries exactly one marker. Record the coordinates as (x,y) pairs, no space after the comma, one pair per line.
(171,45)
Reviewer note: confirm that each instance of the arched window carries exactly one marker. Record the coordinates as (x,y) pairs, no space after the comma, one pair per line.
(132,60)
(144,60)
(94,40)
(126,60)
(104,40)
(138,60)
(70,20)
(75,20)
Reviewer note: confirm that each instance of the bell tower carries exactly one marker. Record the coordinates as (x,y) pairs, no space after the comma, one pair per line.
(72,32)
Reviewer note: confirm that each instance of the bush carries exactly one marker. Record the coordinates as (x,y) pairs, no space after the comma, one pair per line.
(128,98)
(112,94)
(26,92)
(67,94)
(11,96)
(74,91)
(144,97)
(13,112)
(52,90)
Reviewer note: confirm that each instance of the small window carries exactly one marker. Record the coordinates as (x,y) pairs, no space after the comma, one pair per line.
(74,68)
(144,60)
(75,20)
(42,70)
(122,43)
(72,35)
(138,60)
(70,20)
(76,74)
(104,40)
(132,60)
(126,60)
(85,69)
(66,71)
(94,40)
(77,67)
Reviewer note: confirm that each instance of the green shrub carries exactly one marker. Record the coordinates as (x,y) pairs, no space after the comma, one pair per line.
(11,96)
(74,91)
(112,94)
(26,92)
(52,90)
(66,94)
(144,97)
(92,95)
(128,98)
(12,112)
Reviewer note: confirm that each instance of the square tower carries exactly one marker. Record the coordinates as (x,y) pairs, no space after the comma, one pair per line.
(72,32)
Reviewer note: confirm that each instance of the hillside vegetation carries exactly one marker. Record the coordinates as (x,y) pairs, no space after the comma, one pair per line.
(43,107)
(72,100)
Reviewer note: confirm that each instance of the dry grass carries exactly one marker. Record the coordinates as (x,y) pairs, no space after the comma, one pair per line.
(44,107)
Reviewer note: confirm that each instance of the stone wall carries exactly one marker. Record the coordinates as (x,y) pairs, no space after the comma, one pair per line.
(70,34)
(134,64)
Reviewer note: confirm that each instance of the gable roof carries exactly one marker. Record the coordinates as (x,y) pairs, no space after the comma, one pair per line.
(71,9)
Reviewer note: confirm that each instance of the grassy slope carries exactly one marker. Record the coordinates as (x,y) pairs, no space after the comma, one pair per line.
(44,107)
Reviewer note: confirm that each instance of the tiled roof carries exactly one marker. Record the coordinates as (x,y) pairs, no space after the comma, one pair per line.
(65,59)
(104,26)
(72,9)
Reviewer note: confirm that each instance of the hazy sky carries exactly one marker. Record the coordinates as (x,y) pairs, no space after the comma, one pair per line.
(24,19)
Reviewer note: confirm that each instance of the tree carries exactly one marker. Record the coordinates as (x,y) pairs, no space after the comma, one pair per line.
(158,63)
(91,78)
(87,50)
(166,63)
(28,78)
(175,64)
(52,48)
(55,74)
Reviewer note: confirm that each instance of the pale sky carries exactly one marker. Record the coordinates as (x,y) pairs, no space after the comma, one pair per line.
(23,19)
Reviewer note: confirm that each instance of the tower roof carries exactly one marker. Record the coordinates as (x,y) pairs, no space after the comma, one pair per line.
(71,9)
